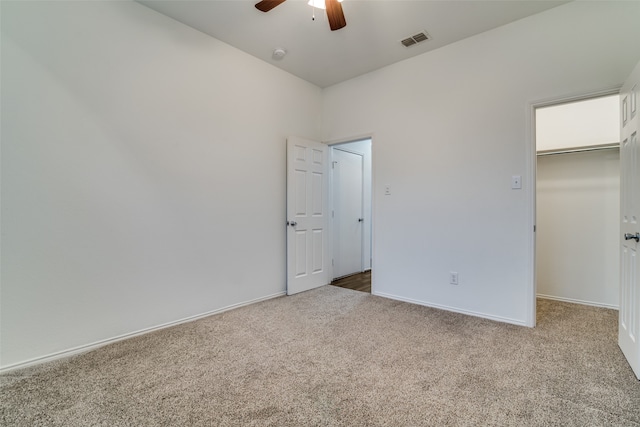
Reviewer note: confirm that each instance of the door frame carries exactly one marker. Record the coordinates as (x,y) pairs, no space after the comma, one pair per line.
(346,140)
(530,173)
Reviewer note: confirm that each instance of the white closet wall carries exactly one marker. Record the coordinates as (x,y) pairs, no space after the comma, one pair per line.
(587,123)
(578,208)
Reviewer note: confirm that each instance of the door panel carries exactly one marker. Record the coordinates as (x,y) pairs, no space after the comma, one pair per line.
(629,320)
(318,252)
(307,218)
(348,218)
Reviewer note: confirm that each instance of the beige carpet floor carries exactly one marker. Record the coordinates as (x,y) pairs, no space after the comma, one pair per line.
(336,357)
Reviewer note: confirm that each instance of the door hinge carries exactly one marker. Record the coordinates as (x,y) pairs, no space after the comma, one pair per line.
(333,164)
(534,228)
(331,263)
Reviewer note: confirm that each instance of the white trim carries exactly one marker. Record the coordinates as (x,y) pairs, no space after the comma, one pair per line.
(350,139)
(88,347)
(452,309)
(578,301)
(548,102)
(531,159)
(530,171)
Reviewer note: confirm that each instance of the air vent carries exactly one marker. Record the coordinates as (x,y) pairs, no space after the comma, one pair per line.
(415,39)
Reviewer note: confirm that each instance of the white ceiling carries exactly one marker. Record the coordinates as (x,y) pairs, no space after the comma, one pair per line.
(370,40)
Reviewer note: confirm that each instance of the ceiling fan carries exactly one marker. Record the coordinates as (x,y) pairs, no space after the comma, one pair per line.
(334,11)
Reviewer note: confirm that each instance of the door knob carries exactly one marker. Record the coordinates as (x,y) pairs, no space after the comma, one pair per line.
(293,223)
(360,219)
(629,236)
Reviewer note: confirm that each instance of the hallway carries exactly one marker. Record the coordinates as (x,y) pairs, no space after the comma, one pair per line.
(358,282)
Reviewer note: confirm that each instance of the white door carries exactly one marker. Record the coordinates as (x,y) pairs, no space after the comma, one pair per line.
(308,256)
(348,219)
(629,321)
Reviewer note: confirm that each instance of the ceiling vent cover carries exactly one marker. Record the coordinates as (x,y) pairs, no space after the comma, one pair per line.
(415,39)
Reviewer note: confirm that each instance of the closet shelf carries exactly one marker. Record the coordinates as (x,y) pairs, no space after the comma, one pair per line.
(611,146)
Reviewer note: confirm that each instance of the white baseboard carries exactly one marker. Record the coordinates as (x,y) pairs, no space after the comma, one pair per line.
(453,309)
(88,347)
(578,301)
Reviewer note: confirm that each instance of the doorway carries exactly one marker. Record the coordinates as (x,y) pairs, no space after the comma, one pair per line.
(577,195)
(351,206)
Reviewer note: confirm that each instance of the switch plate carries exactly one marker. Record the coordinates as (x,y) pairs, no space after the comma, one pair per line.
(387,190)
(516,182)
(453,277)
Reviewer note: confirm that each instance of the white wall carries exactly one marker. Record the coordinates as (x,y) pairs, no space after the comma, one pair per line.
(583,123)
(578,234)
(143,173)
(450,129)
(364,147)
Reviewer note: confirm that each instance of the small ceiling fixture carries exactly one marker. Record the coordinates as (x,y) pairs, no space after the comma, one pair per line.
(279,53)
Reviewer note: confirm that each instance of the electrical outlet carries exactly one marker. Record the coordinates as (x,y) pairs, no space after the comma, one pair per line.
(387,190)
(453,277)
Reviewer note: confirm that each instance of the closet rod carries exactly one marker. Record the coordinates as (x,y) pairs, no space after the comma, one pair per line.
(579,149)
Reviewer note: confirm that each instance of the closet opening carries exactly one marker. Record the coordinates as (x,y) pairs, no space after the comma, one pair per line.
(578,201)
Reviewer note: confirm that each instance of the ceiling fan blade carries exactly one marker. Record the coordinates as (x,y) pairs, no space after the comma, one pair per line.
(335,14)
(267,5)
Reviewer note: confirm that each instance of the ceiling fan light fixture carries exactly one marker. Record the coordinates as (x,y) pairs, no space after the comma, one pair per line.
(319,4)
(335,15)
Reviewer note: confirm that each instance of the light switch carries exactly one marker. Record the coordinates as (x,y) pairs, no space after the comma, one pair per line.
(516,182)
